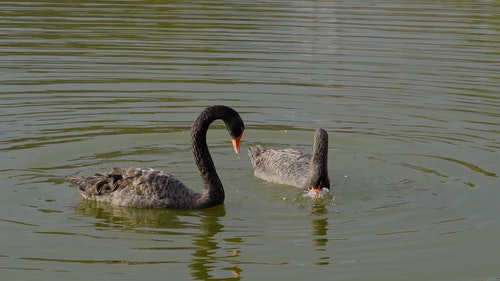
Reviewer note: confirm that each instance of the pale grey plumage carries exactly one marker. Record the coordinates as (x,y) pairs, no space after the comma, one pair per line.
(150,188)
(292,166)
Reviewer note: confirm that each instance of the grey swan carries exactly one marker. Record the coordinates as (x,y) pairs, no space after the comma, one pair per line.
(150,188)
(294,167)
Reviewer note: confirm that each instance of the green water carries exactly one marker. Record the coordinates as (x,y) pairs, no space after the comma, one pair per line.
(407,91)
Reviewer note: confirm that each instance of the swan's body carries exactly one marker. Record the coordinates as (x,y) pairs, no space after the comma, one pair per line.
(150,188)
(292,166)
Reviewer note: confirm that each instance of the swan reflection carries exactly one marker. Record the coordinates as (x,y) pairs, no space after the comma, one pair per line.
(319,231)
(201,225)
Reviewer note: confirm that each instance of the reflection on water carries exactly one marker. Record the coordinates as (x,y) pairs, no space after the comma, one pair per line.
(205,257)
(319,231)
(136,219)
(172,222)
(209,257)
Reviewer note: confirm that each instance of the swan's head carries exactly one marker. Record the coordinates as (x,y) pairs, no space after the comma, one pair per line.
(231,118)
(235,127)
(319,188)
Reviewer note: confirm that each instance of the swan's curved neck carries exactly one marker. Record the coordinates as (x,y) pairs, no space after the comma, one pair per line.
(318,166)
(213,192)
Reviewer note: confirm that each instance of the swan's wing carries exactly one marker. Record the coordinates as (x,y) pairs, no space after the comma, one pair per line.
(134,187)
(284,166)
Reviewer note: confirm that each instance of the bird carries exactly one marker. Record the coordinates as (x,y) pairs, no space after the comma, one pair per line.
(293,166)
(152,188)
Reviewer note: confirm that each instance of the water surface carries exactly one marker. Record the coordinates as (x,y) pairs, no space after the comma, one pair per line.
(407,91)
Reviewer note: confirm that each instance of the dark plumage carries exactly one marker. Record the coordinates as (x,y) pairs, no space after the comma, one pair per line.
(150,188)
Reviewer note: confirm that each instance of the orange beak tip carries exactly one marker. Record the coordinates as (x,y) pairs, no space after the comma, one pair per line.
(236,144)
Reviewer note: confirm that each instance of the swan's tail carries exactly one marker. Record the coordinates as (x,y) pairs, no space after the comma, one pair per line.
(84,185)
(97,185)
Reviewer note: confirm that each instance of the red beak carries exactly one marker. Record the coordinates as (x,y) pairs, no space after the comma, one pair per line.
(236,143)
(316,191)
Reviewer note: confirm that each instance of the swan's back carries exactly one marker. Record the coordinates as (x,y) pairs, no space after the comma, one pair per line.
(135,187)
(283,166)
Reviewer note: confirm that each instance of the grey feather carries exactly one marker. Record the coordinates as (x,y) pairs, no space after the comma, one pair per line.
(292,166)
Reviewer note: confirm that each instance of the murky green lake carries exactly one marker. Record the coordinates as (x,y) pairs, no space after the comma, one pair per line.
(409,93)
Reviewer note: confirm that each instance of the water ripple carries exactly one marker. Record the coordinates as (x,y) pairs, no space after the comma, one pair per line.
(407,91)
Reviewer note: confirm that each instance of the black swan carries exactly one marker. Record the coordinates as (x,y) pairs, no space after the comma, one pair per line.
(150,188)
